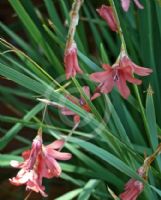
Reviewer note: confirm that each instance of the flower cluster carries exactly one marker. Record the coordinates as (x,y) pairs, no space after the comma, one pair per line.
(39,162)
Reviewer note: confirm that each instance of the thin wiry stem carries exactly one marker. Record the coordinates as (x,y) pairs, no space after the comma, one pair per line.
(27,197)
(123,44)
(74,18)
(69,135)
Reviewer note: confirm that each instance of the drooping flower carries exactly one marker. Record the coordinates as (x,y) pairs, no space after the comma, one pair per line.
(39,162)
(71,61)
(126,4)
(31,178)
(29,173)
(49,166)
(80,102)
(106,12)
(118,74)
(133,187)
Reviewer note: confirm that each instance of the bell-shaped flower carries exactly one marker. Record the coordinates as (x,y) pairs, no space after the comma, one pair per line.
(71,61)
(31,178)
(49,166)
(39,162)
(133,188)
(106,12)
(126,4)
(118,74)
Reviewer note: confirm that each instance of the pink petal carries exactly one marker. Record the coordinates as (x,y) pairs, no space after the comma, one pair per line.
(66,111)
(36,188)
(58,155)
(54,169)
(122,87)
(26,154)
(71,61)
(56,144)
(95,95)
(138,4)
(131,79)
(125,4)
(76,119)
(142,71)
(68,62)
(86,91)
(107,86)
(75,62)
(106,67)
(16,164)
(35,184)
(99,76)
(21,178)
(106,12)
(131,194)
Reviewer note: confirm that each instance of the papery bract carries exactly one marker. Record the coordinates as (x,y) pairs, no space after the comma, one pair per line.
(118,74)
(126,4)
(71,61)
(106,12)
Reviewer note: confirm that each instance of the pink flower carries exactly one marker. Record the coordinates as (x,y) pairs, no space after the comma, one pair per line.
(133,187)
(39,162)
(29,173)
(126,3)
(106,12)
(49,166)
(118,74)
(71,61)
(30,156)
(80,102)
(32,180)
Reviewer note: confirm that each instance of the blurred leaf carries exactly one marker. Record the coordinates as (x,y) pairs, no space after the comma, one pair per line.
(5,159)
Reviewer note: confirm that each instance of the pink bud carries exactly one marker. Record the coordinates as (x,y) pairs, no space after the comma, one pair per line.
(133,188)
(71,61)
(106,12)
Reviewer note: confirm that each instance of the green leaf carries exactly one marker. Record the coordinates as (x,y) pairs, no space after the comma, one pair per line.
(18,126)
(69,195)
(106,156)
(88,189)
(156,190)
(151,119)
(5,159)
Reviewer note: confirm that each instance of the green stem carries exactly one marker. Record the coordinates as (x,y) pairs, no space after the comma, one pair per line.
(123,47)
(74,15)
(123,44)
(141,108)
